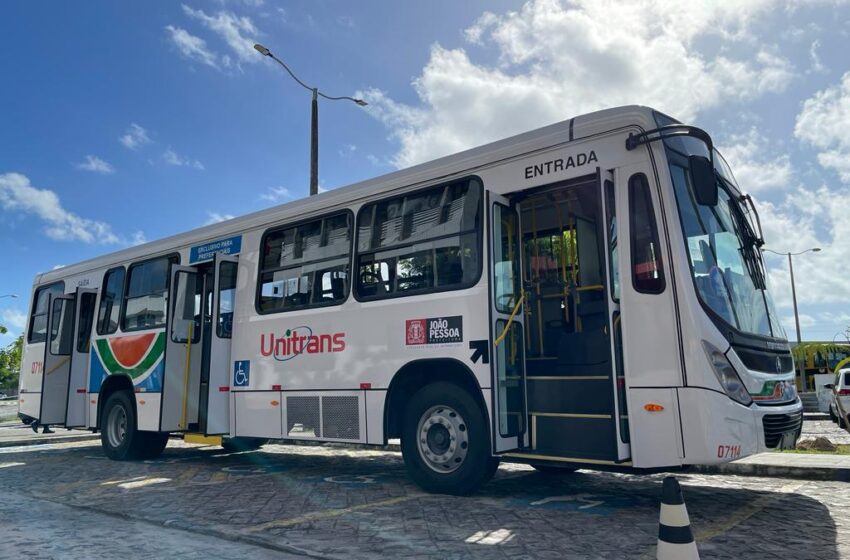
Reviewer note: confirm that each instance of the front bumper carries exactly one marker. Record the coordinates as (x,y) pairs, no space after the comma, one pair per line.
(717,429)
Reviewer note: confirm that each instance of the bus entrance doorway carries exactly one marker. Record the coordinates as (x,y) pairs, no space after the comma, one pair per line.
(568,244)
(197,358)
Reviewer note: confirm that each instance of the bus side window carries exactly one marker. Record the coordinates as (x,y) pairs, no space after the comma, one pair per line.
(146,294)
(420,242)
(305,265)
(110,301)
(38,319)
(647,265)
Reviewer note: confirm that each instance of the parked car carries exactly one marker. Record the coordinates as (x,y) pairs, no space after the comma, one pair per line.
(839,408)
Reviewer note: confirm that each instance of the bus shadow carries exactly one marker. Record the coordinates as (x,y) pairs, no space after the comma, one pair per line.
(730,516)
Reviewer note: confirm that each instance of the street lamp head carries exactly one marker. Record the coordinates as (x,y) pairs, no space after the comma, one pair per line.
(262,50)
(815,249)
(13,296)
(360,102)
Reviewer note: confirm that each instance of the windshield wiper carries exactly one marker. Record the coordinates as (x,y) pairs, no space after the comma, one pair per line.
(759,237)
(751,244)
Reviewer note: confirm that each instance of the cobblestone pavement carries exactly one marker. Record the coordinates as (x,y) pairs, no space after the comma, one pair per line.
(825,428)
(336,502)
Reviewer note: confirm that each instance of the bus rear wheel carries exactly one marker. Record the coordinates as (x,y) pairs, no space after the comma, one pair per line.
(119,437)
(445,442)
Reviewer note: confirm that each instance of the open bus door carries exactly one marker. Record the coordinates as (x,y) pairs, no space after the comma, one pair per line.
(181,379)
(215,383)
(506,327)
(57,360)
(77,408)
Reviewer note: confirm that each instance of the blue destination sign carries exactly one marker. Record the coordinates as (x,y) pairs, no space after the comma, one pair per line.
(207,251)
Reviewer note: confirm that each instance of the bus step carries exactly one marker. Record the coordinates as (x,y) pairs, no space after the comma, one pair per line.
(201,438)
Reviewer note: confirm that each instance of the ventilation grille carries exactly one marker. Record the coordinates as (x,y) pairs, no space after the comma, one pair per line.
(302,417)
(341,417)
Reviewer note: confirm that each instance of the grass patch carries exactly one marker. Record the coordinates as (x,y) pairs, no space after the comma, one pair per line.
(8,418)
(842,449)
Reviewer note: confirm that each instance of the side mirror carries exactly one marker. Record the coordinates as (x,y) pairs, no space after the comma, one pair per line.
(703,180)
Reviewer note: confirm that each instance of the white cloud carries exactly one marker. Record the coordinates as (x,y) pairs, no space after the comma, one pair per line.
(276,195)
(558,60)
(238,32)
(215,217)
(347,150)
(748,156)
(13,319)
(18,195)
(173,158)
(134,137)
(808,218)
(96,165)
(191,46)
(817,66)
(138,238)
(824,122)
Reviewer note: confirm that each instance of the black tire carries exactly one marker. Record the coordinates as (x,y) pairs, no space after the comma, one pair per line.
(120,439)
(238,444)
(474,468)
(155,443)
(832,416)
(548,469)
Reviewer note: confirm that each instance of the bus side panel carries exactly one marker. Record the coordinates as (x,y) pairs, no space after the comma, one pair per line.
(355,343)
(656,437)
(147,411)
(29,384)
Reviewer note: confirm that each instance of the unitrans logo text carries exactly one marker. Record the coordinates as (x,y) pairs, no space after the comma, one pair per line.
(300,340)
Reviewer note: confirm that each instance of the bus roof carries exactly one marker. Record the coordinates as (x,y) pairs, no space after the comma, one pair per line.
(443,167)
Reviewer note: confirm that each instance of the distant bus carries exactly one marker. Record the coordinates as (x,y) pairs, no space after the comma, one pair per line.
(587,295)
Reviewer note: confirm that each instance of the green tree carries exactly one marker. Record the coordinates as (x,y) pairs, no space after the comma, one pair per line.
(10,362)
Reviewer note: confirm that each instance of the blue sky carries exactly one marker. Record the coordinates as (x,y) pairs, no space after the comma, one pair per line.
(122,122)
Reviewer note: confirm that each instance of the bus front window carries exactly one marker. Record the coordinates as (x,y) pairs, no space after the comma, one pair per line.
(724,260)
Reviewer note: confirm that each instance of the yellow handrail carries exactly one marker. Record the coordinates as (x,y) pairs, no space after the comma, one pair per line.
(186,376)
(504,332)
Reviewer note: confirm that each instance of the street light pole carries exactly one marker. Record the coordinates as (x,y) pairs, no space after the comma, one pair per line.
(13,296)
(314,144)
(314,116)
(794,299)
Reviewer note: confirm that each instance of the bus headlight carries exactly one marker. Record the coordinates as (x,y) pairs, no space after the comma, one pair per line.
(726,375)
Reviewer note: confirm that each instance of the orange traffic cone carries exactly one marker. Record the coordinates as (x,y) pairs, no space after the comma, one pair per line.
(675,538)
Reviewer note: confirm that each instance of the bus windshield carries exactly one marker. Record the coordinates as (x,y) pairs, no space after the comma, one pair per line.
(722,246)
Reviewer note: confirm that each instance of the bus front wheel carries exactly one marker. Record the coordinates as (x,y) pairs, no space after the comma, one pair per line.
(445,441)
(119,437)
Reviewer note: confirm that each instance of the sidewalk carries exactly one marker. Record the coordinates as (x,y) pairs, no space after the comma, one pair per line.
(14,433)
(808,466)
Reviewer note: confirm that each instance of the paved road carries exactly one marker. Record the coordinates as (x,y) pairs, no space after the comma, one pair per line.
(38,528)
(332,502)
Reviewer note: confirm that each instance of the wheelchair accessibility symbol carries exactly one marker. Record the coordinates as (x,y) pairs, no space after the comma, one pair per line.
(241,373)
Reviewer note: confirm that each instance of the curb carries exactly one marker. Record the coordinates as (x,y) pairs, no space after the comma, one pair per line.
(840,474)
(42,440)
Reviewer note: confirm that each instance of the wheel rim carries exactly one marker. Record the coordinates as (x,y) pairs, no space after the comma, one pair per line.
(442,438)
(116,426)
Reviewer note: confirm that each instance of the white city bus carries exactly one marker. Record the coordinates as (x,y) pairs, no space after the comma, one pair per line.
(589,294)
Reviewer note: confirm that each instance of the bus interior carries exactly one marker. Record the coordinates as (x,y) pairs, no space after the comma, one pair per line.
(570,376)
